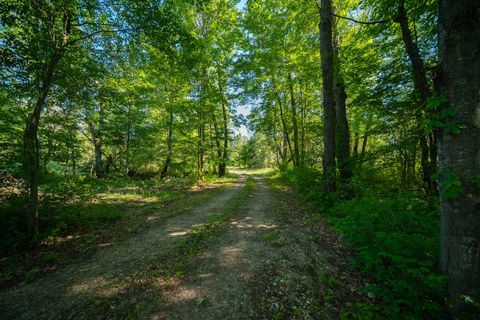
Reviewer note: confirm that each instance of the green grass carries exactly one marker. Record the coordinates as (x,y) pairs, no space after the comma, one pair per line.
(78,214)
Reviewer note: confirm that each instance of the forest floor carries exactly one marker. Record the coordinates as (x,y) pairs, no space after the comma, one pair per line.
(249,251)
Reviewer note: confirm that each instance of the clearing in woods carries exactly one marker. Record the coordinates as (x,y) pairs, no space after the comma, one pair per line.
(248,252)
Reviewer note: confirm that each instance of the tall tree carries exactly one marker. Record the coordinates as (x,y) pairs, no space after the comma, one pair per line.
(327,56)
(55,20)
(459,151)
(427,141)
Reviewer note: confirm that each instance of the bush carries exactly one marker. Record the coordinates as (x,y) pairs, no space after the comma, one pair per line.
(397,240)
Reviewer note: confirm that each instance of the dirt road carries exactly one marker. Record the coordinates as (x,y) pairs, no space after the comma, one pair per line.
(246,253)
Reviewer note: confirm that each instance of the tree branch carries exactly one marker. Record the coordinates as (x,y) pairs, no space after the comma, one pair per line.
(361,22)
(94,34)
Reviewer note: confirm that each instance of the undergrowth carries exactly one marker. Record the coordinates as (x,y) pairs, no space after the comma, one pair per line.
(396,239)
(74,202)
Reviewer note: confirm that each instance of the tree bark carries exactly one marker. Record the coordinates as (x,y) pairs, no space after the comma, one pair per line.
(201,127)
(459,154)
(32,145)
(356,143)
(303,113)
(128,160)
(285,129)
(327,55)
(97,145)
(222,167)
(168,159)
(296,149)
(217,143)
(342,131)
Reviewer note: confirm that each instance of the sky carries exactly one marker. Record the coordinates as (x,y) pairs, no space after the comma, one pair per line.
(243,109)
(241,4)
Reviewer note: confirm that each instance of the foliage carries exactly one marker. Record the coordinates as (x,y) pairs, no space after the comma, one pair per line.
(73,203)
(396,240)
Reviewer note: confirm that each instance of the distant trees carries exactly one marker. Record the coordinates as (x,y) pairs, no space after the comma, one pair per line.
(114,82)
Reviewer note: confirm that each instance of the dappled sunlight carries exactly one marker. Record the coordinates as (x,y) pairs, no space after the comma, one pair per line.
(184,295)
(106,244)
(267,226)
(60,239)
(230,256)
(178,233)
(88,285)
(128,197)
(206,275)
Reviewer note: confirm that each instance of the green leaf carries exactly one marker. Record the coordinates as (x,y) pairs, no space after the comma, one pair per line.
(434,102)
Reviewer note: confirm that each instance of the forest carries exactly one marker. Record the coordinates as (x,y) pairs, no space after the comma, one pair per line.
(239,159)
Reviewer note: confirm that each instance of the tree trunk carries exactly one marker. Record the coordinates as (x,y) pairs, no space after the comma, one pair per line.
(364,144)
(356,143)
(296,148)
(32,146)
(303,105)
(364,148)
(342,131)
(326,52)
(459,154)
(97,145)
(223,161)
(217,142)
(128,161)
(421,86)
(285,129)
(168,159)
(201,126)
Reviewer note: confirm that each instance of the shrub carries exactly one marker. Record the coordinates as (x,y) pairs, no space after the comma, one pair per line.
(396,238)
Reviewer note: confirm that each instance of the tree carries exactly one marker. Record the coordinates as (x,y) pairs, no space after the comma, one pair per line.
(327,56)
(459,152)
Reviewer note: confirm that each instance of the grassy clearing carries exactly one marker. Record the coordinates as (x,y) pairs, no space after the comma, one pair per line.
(79,216)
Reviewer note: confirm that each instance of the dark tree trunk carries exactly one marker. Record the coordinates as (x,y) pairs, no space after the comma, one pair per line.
(168,159)
(201,127)
(32,146)
(285,130)
(128,160)
(217,142)
(327,55)
(459,154)
(222,167)
(74,162)
(200,151)
(303,105)
(97,145)
(364,144)
(107,165)
(296,148)
(356,142)
(342,131)
(31,143)
(284,150)
(421,86)
(364,148)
